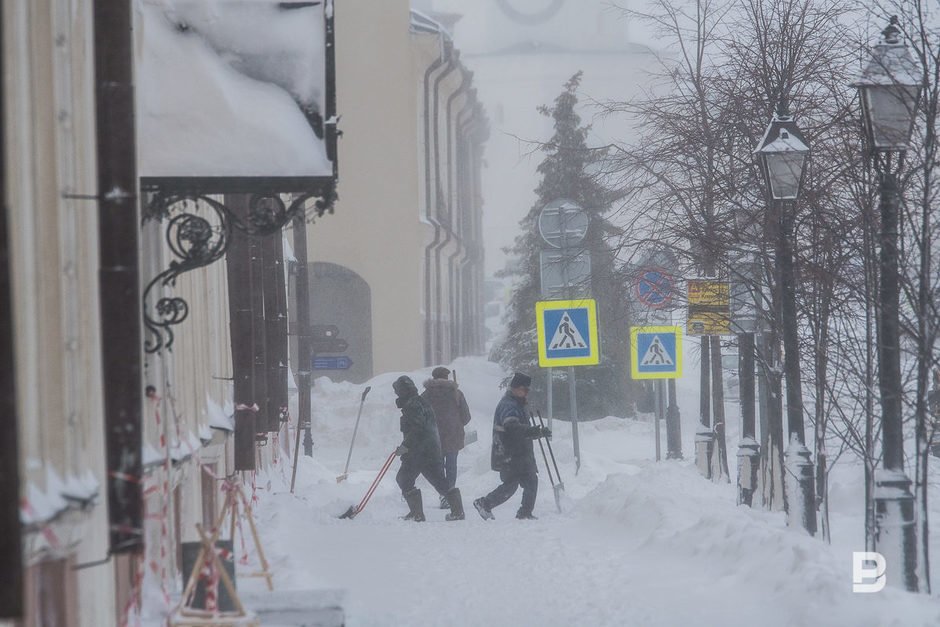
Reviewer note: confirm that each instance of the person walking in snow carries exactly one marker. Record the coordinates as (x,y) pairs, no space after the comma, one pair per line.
(420,452)
(452,414)
(512,454)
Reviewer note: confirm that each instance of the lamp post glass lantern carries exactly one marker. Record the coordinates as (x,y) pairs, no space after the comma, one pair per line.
(889,89)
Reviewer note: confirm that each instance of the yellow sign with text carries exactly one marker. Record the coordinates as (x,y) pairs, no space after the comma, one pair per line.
(709,307)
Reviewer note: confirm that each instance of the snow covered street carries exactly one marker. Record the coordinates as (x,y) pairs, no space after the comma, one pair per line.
(638,543)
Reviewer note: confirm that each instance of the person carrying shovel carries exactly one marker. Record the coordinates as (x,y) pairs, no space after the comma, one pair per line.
(420,452)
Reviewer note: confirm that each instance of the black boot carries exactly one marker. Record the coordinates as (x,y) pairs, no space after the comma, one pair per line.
(456,505)
(415,505)
(525,515)
(444,503)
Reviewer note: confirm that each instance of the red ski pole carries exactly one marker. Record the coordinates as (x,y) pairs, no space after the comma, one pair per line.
(355,509)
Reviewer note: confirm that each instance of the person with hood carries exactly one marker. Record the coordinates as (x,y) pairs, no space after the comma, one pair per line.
(452,414)
(512,454)
(420,452)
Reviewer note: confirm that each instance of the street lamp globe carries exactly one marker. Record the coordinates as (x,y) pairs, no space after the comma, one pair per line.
(782,155)
(889,88)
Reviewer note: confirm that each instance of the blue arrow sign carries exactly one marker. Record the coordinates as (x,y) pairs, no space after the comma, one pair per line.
(342,362)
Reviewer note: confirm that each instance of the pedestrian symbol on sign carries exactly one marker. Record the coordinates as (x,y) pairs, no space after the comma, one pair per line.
(656,355)
(567,335)
(655,352)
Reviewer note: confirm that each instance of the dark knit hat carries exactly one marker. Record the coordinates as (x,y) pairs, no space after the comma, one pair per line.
(404,387)
(520,380)
(440,373)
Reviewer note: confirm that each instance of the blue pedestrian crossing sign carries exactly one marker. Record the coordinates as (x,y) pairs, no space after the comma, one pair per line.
(567,332)
(656,352)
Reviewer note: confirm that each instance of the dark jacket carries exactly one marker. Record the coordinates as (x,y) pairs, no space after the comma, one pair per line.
(512,448)
(450,410)
(419,429)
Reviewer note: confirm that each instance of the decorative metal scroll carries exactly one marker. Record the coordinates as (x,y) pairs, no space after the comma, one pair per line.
(198,232)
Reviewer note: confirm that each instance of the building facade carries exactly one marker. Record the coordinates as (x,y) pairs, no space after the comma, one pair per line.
(409,292)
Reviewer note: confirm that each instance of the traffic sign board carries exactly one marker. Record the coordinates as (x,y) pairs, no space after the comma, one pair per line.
(656,352)
(337,345)
(563,223)
(709,307)
(341,362)
(567,333)
(654,287)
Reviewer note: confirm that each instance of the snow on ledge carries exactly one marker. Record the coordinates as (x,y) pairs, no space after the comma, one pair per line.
(218,419)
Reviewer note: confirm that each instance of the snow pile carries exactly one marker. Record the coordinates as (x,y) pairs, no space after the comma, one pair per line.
(639,543)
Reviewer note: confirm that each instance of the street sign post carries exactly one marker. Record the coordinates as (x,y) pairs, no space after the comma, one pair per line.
(563,223)
(656,352)
(565,273)
(654,287)
(567,333)
(709,307)
(341,362)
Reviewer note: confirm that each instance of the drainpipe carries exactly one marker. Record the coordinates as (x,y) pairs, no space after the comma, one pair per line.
(11,551)
(480,136)
(430,93)
(465,122)
(119,289)
(449,231)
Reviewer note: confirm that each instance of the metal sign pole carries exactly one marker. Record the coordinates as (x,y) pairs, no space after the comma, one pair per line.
(548,398)
(657,417)
(573,404)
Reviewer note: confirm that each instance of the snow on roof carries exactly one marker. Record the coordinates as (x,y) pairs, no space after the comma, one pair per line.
(220,87)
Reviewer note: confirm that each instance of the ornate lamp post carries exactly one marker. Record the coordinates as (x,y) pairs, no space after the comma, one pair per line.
(889,89)
(782,155)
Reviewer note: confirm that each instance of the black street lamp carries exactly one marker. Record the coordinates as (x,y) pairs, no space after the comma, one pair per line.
(782,155)
(889,89)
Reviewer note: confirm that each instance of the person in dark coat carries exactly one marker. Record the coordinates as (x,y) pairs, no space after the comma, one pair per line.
(452,414)
(420,452)
(512,454)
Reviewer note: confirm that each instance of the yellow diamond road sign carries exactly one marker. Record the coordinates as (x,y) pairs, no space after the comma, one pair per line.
(567,332)
(656,352)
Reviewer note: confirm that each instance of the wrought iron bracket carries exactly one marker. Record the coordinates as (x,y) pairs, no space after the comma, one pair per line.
(199,229)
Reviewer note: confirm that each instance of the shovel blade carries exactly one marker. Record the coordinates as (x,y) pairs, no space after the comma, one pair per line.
(341,478)
(558,488)
(350,513)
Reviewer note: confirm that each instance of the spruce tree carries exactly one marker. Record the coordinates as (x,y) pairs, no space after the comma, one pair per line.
(566,173)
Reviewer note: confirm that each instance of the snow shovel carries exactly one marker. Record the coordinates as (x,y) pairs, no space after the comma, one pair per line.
(560,486)
(354,510)
(362,402)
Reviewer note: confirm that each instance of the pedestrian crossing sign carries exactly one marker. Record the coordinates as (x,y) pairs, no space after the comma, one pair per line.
(656,352)
(567,332)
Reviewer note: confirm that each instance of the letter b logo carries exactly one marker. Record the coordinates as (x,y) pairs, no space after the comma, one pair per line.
(865,577)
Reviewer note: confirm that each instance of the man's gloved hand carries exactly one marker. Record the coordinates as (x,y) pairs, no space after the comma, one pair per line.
(401,450)
(536,432)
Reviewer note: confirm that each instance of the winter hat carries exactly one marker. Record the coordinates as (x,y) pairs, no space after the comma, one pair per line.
(404,387)
(520,380)
(440,373)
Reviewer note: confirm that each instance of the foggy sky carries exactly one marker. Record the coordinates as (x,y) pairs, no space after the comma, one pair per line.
(519,66)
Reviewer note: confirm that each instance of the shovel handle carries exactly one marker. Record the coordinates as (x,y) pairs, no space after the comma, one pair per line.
(375,484)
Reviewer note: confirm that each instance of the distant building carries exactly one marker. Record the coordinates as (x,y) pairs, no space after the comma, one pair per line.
(399,267)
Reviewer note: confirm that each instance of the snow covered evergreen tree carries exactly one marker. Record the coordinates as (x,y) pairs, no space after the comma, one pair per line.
(566,173)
